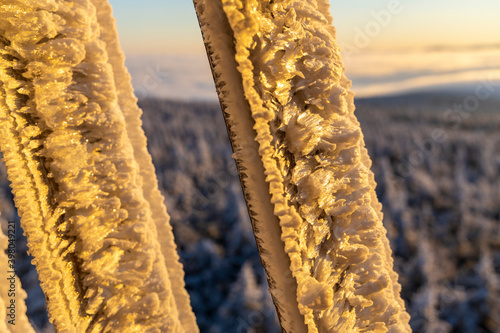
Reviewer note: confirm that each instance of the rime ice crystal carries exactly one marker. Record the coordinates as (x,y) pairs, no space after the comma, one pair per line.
(82,179)
(283,75)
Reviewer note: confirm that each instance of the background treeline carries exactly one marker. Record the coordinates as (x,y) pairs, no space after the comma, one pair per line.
(437,172)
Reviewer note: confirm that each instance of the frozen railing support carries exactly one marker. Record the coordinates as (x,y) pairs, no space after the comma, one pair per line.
(83,182)
(309,190)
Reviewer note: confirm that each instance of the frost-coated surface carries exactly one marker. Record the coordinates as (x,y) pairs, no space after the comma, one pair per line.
(81,176)
(290,79)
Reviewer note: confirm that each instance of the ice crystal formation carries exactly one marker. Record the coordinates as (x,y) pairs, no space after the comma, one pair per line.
(309,190)
(85,187)
(83,181)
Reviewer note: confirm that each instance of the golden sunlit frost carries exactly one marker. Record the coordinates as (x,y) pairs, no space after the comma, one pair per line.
(279,63)
(83,182)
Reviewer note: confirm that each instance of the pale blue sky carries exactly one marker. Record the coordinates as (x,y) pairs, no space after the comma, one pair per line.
(170,26)
(166,56)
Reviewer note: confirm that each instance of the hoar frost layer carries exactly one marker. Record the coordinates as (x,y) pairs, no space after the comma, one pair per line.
(82,179)
(290,76)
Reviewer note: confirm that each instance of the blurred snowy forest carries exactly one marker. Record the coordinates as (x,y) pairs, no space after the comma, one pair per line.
(437,172)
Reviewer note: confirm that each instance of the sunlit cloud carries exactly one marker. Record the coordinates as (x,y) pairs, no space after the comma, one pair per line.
(177,77)
(453,81)
(376,73)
